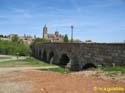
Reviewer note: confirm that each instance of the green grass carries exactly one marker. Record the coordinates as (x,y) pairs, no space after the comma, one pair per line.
(33,63)
(116,69)
(60,70)
(26,62)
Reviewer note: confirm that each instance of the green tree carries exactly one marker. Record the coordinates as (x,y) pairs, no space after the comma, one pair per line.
(77,41)
(41,40)
(11,48)
(15,38)
(66,38)
(1,35)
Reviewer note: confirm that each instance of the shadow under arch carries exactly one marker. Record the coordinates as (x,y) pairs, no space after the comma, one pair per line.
(64,60)
(40,54)
(88,65)
(44,58)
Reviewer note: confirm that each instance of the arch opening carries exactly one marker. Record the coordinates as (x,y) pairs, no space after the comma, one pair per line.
(51,55)
(64,60)
(89,66)
(44,55)
(40,53)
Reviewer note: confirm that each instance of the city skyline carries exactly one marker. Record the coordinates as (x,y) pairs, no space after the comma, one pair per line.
(96,20)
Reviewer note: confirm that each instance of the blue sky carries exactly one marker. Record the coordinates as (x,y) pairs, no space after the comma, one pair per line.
(97,20)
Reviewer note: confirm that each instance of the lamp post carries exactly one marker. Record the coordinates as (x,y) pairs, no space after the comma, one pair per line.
(72,33)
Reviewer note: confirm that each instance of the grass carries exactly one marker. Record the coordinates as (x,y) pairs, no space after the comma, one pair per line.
(60,70)
(25,62)
(32,62)
(116,69)
(37,63)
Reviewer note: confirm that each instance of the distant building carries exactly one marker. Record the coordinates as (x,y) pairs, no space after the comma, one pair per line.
(5,37)
(53,37)
(25,39)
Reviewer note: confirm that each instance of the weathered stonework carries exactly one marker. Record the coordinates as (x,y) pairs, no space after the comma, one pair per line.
(77,55)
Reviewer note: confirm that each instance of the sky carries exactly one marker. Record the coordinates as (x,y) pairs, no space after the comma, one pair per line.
(96,20)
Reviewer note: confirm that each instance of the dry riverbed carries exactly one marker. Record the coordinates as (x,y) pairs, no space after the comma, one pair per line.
(35,81)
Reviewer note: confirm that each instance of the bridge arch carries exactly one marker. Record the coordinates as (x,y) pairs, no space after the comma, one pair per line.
(44,55)
(64,60)
(40,53)
(89,65)
(51,55)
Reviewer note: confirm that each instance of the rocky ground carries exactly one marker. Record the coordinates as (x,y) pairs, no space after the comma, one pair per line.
(35,81)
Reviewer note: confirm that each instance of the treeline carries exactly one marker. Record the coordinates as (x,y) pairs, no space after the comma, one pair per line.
(12,48)
(41,40)
(3,36)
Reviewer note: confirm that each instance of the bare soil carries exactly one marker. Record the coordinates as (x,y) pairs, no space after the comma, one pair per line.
(34,81)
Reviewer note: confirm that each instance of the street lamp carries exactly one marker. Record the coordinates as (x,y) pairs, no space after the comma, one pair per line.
(72,33)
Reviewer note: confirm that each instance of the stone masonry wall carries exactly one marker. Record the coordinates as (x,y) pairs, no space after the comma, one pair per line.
(80,54)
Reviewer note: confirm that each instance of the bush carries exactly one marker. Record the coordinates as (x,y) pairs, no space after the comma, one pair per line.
(41,40)
(12,48)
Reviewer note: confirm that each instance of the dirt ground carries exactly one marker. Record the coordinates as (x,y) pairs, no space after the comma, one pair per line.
(34,81)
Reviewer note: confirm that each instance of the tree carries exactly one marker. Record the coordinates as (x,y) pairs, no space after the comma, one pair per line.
(66,38)
(15,38)
(77,41)
(41,40)
(1,35)
(20,41)
(12,48)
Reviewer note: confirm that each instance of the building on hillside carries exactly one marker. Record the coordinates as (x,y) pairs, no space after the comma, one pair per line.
(53,37)
(25,39)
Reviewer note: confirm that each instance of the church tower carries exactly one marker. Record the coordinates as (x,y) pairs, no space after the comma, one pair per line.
(45,32)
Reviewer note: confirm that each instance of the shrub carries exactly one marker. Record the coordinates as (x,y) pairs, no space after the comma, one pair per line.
(12,48)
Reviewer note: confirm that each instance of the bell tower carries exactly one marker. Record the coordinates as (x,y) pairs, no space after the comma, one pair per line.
(45,32)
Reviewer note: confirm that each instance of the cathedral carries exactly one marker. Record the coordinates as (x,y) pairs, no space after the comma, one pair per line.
(53,37)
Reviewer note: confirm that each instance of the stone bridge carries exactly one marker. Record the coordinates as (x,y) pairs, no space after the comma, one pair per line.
(78,56)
